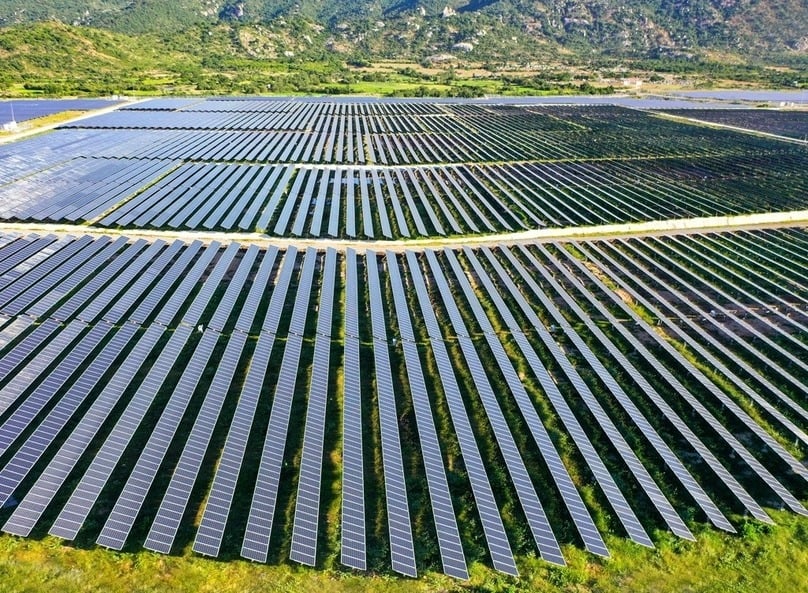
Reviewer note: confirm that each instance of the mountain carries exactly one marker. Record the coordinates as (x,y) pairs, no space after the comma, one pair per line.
(489,28)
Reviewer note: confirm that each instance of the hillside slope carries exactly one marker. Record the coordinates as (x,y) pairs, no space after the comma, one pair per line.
(631,27)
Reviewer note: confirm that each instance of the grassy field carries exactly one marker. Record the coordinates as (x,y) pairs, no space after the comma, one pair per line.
(759,559)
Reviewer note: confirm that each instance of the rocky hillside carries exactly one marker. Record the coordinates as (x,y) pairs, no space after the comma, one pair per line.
(419,28)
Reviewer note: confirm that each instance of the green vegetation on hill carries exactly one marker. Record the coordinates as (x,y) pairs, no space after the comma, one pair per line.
(417,27)
(462,48)
(53,59)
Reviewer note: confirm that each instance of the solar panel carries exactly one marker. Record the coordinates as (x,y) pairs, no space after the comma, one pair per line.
(471,226)
(494,530)
(669,456)
(307,506)
(604,478)
(96,476)
(31,507)
(165,212)
(336,193)
(454,563)
(135,294)
(234,199)
(718,365)
(486,173)
(381,207)
(537,519)
(10,244)
(37,290)
(107,274)
(268,212)
(123,515)
(83,497)
(350,204)
(28,250)
(398,515)
(319,206)
(54,475)
(26,279)
(224,309)
(12,330)
(654,396)
(22,349)
(93,309)
(253,198)
(164,528)
(217,508)
(419,224)
(54,295)
(28,265)
(353,542)
(754,272)
(259,523)
(305,202)
(730,405)
(183,175)
(473,203)
(752,347)
(418,175)
(291,200)
(37,399)
(166,286)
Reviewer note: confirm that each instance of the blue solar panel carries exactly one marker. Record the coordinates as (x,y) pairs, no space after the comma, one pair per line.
(654,396)
(32,372)
(164,528)
(26,278)
(402,552)
(353,540)
(262,510)
(214,519)
(493,528)
(604,478)
(31,507)
(36,290)
(534,511)
(307,506)
(54,295)
(730,405)
(454,563)
(84,496)
(130,500)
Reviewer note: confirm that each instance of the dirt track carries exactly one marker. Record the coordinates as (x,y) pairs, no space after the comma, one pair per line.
(797,218)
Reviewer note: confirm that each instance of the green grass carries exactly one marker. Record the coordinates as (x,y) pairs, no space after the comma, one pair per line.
(761,559)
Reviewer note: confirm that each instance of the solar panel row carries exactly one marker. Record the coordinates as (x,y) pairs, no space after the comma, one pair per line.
(209,536)
(353,551)
(307,506)
(705,453)
(402,552)
(262,510)
(498,545)
(452,557)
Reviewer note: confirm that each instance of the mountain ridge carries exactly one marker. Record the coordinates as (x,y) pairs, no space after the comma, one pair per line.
(421,27)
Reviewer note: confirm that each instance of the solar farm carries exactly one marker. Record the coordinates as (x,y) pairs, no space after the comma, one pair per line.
(331,332)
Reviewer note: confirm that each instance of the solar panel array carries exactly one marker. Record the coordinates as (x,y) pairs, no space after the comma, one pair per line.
(148,386)
(20,110)
(388,169)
